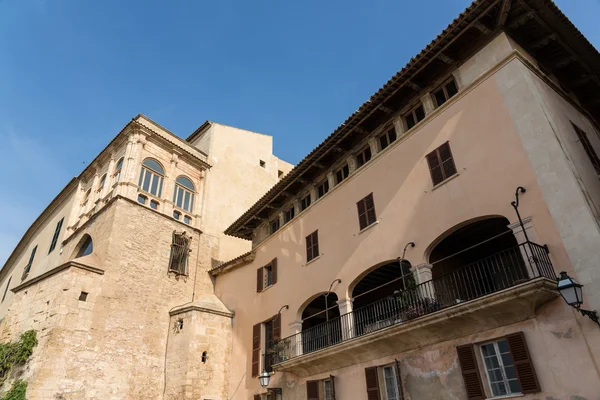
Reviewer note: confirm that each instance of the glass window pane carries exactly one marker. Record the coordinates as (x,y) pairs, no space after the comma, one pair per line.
(392,135)
(147,178)
(185,182)
(511,372)
(192,204)
(154,189)
(440,98)
(420,113)
(153,165)
(488,350)
(160,187)
(141,199)
(179,197)
(451,88)
(186,203)
(514,386)
(503,346)
(187,219)
(141,177)
(176,214)
(410,121)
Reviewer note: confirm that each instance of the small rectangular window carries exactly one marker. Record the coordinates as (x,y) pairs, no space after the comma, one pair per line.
(414,116)
(312,246)
(289,214)
(441,164)
(180,249)
(387,138)
(274,226)
(363,156)
(262,163)
(587,146)
(445,92)
(305,202)
(55,236)
(83,296)
(267,276)
(500,368)
(142,199)
(187,219)
(176,215)
(342,173)
(366,211)
(154,204)
(322,188)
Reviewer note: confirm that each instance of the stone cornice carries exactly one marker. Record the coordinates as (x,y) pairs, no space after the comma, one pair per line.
(56,270)
(193,307)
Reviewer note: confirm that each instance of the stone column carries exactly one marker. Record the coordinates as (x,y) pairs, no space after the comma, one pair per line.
(331,179)
(352,165)
(399,125)
(109,176)
(373,145)
(296,338)
(313,193)
(428,105)
(347,320)
(167,205)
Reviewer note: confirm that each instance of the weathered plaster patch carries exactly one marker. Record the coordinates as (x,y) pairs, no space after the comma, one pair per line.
(567,335)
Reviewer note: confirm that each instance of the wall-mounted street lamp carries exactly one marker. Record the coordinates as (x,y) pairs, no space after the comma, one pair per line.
(570,290)
(327,295)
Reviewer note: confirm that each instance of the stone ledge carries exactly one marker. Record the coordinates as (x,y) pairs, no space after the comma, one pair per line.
(210,305)
(56,270)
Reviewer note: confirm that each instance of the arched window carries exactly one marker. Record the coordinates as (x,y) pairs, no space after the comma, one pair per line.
(118,168)
(183,197)
(151,177)
(102,183)
(86,248)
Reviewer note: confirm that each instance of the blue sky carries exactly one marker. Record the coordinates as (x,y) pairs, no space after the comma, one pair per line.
(74,72)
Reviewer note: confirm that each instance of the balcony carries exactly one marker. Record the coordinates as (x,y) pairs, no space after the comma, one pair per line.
(500,289)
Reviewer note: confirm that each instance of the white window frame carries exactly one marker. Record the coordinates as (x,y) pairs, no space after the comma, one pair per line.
(117,173)
(151,175)
(502,369)
(179,194)
(325,393)
(383,385)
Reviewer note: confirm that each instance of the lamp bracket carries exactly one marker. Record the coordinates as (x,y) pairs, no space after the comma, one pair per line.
(593,315)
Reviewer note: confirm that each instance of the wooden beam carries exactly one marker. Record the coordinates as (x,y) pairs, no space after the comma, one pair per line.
(544,41)
(563,62)
(583,79)
(446,59)
(413,85)
(503,14)
(361,131)
(386,110)
(482,28)
(319,165)
(521,20)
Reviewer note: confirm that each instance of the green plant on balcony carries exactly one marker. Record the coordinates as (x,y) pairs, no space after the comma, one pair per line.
(279,351)
(422,307)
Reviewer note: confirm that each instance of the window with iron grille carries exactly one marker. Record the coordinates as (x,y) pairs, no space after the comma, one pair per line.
(274,225)
(445,92)
(587,146)
(363,156)
(322,188)
(441,164)
(387,138)
(414,116)
(305,202)
(342,173)
(312,246)
(180,250)
(366,211)
(289,214)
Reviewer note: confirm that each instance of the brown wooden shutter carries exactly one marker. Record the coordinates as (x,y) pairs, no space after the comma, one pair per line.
(447,160)
(362,214)
(312,390)
(257,397)
(309,247)
(399,381)
(315,242)
(274,271)
(525,371)
(259,280)
(470,372)
(372,383)
(370,206)
(255,349)
(277,327)
(332,386)
(435,169)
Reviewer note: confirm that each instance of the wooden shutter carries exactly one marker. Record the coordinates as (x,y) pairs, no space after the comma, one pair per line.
(372,383)
(370,206)
(399,381)
(470,372)
(525,371)
(309,247)
(332,386)
(257,397)
(277,327)
(435,169)
(274,271)
(447,161)
(255,349)
(362,214)
(312,390)
(315,242)
(259,280)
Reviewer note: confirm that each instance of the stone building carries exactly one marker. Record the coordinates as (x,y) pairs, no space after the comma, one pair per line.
(113,273)
(390,263)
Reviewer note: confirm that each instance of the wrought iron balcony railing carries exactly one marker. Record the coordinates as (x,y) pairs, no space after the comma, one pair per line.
(500,271)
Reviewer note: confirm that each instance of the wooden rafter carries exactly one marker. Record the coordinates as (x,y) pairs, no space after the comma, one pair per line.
(544,41)
(482,27)
(503,14)
(446,59)
(522,19)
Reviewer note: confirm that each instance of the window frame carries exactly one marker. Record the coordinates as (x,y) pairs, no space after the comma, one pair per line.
(386,135)
(413,113)
(396,382)
(274,225)
(369,213)
(304,205)
(312,250)
(440,165)
(148,174)
(102,184)
(118,168)
(342,173)
(289,214)
(443,87)
(361,156)
(184,248)
(27,268)
(502,367)
(179,194)
(325,185)
(57,230)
